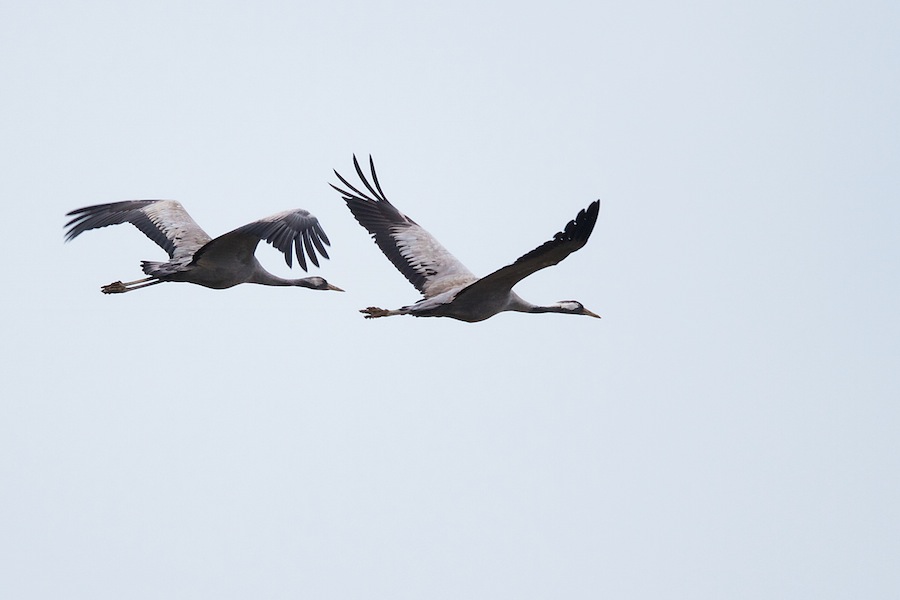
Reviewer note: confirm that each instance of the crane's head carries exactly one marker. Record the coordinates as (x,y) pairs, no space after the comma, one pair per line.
(573,307)
(317,283)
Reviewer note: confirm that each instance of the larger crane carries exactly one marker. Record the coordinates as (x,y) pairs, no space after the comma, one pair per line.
(448,287)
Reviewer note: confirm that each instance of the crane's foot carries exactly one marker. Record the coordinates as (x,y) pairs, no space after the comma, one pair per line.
(373,312)
(116,287)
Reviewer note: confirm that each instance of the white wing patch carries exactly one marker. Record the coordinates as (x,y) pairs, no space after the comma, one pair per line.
(170,217)
(429,258)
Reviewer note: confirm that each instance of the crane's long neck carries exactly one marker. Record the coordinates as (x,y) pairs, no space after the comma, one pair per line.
(263,277)
(517,304)
(553,308)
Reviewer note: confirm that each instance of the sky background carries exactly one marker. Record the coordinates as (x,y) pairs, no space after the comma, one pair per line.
(729,429)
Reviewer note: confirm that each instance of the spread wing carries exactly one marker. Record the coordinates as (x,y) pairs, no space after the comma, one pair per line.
(574,236)
(163,221)
(291,230)
(415,252)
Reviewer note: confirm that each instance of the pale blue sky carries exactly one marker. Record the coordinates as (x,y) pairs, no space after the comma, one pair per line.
(727,430)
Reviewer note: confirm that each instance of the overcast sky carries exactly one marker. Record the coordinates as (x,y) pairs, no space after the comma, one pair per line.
(727,430)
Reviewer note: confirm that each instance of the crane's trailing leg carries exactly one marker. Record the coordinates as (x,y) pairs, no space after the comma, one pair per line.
(117,287)
(373,312)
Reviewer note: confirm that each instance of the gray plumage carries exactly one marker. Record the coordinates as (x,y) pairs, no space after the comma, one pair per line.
(448,287)
(195,257)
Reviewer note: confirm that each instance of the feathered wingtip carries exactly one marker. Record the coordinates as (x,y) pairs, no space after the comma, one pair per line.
(377,194)
(292,235)
(580,228)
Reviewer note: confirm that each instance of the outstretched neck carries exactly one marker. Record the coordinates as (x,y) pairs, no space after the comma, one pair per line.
(263,277)
(567,307)
(553,308)
(517,304)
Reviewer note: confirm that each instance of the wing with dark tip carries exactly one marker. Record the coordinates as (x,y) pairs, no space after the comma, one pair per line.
(574,236)
(292,232)
(415,252)
(163,221)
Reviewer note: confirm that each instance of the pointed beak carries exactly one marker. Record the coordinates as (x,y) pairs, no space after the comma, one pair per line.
(590,314)
(334,288)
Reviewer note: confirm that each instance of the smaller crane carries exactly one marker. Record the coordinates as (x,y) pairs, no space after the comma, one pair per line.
(219,263)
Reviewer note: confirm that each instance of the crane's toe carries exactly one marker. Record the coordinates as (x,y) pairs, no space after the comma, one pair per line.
(116,287)
(373,312)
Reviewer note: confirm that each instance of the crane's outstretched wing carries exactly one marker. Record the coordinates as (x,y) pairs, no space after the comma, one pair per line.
(574,236)
(415,252)
(288,230)
(163,221)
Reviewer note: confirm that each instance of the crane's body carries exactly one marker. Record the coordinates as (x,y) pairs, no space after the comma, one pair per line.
(469,310)
(448,287)
(195,257)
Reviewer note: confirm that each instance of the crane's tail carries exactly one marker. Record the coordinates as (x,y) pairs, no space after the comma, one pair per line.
(161,270)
